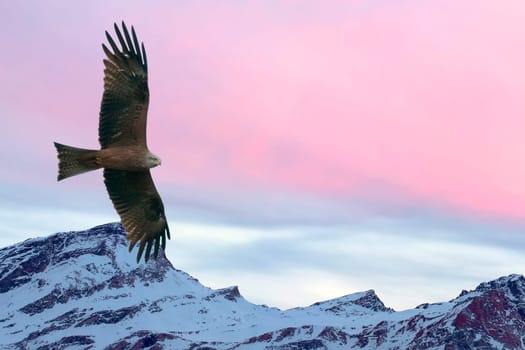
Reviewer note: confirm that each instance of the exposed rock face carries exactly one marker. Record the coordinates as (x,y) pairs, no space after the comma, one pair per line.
(83,290)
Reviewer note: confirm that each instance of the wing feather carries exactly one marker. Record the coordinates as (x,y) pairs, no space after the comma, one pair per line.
(124,106)
(128,40)
(136,45)
(140,208)
(145,59)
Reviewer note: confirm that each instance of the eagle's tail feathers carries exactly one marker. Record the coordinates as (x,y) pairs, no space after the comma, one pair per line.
(73,161)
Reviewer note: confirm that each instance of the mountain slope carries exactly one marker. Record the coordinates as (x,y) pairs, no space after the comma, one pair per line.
(83,290)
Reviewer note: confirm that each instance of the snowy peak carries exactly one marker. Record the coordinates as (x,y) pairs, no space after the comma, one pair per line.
(83,290)
(356,303)
(100,251)
(513,284)
(230,293)
(371,301)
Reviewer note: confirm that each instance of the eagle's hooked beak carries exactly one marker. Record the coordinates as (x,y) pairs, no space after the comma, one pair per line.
(158,161)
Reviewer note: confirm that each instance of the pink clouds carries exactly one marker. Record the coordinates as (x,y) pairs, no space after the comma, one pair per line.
(425,98)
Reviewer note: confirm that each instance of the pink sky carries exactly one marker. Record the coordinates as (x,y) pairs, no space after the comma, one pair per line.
(419,100)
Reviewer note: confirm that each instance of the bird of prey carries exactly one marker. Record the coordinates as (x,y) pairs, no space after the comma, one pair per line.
(124,154)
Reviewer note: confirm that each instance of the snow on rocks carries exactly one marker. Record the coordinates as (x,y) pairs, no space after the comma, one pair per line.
(83,290)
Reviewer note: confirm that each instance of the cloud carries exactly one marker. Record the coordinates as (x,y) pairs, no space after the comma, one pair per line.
(291,266)
(290,251)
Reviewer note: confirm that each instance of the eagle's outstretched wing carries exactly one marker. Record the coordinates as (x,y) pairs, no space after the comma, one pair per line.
(125,100)
(140,208)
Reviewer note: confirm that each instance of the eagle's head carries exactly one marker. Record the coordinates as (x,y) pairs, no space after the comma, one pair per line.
(152,160)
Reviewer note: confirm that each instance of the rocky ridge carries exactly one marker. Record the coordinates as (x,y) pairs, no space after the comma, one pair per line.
(83,290)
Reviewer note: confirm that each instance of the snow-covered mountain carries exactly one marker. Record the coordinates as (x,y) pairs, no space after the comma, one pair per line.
(83,290)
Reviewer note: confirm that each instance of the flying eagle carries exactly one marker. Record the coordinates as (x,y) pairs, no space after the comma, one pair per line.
(124,153)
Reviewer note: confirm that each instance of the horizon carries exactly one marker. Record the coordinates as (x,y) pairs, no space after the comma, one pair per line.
(240,289)
(309,151)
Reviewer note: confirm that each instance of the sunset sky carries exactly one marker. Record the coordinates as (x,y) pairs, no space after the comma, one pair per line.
(310,149)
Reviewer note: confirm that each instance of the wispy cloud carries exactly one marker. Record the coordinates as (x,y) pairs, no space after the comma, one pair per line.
(287,258)
(294,266)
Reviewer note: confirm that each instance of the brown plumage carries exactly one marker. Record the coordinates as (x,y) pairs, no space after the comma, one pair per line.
(124,154)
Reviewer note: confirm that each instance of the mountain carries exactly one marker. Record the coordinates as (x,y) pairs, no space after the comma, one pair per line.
(83,290)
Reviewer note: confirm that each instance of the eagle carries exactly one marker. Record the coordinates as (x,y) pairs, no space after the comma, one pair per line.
(124,154)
